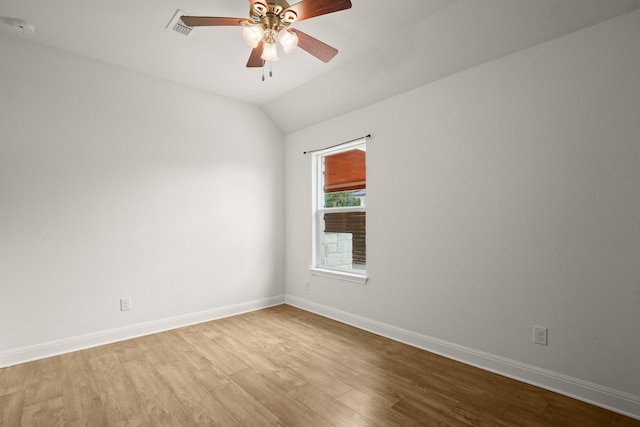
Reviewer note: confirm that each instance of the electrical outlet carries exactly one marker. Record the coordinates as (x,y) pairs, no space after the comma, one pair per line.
(125,304)
(306,286)
(540,335)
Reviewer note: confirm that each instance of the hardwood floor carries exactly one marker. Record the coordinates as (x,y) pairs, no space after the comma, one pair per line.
(279,366)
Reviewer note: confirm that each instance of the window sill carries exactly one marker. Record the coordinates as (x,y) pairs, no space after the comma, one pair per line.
(341,275)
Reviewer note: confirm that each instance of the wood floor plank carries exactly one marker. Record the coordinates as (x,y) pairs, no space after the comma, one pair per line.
(316,365)
(11,407)
(80,398)
(567,411)
(211,378)
(129,350)
(618,420)
(312,372)
(481,413)
(158,402)
(118,399)
(109,373)
(529,399)
(44,413)
(197,402)
(376,409)
(13,378)
(272,362)
(277,401)
(380,384)
(223,359)
(244,407)
(524,417)
(372,376)
(278,366)
(333,410)
(93,420)
(80,402)
(429,411)
(44,382)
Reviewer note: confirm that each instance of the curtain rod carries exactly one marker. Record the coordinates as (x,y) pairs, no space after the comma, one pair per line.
(337,145)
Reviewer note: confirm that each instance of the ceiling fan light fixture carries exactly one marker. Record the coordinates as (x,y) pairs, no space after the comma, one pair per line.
(268,24)
(252,34)
(288,39)
(269,53)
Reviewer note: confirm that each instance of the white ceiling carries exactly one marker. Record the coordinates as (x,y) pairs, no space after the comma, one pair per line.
(385,47)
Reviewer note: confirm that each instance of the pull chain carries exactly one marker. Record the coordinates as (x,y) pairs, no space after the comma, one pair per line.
(270,70)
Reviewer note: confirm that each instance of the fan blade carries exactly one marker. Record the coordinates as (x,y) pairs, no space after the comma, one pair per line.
(315,47)
(255,59)
(212,21)
(311,8)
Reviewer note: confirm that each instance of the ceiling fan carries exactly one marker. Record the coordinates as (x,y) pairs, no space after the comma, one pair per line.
(270,21)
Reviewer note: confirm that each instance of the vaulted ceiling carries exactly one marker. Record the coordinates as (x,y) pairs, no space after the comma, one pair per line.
(385,47)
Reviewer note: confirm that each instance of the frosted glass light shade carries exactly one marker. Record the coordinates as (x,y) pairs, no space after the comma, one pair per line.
(269,53)
(253,34)
(288,40)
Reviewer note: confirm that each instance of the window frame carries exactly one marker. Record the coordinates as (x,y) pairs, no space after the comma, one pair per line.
(318,209)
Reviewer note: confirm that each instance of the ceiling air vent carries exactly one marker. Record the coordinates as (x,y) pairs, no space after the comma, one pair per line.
(177,25)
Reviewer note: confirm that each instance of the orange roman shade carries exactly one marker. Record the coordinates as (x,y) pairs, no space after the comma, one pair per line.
(345,171)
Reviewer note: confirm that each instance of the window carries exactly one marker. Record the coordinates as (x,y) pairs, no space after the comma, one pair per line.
(340,193)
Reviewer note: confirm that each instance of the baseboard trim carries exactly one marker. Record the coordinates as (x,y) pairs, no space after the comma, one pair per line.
(605,397)
(55,348)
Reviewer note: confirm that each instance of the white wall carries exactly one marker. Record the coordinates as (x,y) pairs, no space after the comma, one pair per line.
(520,179)
(115,184)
